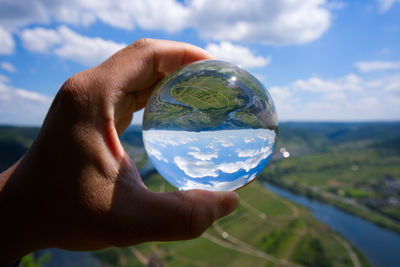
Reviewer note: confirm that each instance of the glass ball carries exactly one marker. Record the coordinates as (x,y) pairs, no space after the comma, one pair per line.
(210,125)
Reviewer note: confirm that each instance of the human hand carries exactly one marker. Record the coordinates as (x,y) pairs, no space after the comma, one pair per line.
(77,189)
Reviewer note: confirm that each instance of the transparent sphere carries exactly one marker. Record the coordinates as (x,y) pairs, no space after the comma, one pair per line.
(210,125)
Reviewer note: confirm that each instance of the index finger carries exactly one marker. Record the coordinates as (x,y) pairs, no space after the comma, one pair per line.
(141,64)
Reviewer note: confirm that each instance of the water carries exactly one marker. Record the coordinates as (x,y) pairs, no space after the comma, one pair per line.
(65,258)
(213,160)
(380,246)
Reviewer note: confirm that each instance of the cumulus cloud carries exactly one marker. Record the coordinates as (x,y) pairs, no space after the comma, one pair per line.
(203,168)
(164,137)
(6,42)
(346,98)
(196,168)
(152,151)
(40,39)
(203,155)
(20,106)
(370,66)
(201,162)
(236,54)
(349,82)
(7,66)
(269,22)
(70,45)
(247,153)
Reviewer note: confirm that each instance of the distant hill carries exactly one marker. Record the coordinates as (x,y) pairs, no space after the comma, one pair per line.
(348,131)
(297,137)
(319,136)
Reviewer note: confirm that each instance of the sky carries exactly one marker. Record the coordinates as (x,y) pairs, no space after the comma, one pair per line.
(320,60)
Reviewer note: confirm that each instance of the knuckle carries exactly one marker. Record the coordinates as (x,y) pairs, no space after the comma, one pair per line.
(70,89)
(142,43)
(75,90)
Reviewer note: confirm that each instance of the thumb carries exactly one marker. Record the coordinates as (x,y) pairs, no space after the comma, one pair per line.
(183,215)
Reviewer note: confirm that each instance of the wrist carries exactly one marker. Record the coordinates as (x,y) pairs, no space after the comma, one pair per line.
(18,229)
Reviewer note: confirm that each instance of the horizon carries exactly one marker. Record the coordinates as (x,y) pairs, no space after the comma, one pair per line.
(320,60)
(280,122)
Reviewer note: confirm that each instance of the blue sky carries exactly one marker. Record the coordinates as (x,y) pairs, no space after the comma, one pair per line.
(320,60)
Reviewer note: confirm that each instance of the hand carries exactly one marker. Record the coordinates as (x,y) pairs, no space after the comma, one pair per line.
(77,189)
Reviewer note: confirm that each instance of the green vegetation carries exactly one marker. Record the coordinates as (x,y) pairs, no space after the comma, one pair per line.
(210,96)
(311,253)
(265,230)
(207,98)
(34,260)
(352,166)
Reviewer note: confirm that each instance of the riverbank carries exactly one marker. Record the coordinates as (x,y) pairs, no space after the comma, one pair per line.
(379,245)
(345,204)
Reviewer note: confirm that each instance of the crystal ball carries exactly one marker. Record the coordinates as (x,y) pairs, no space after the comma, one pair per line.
(210,125)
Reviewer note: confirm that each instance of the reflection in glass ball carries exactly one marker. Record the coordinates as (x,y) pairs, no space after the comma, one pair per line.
(210,125)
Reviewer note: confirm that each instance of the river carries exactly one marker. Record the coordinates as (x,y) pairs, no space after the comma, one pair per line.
(380,246)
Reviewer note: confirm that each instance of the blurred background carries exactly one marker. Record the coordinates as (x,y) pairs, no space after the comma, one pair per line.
(331,195)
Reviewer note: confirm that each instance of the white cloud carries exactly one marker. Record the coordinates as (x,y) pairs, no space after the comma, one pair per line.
(20,106)
(169,15)
(369,66)
(203,155)
(40,39)
(227,144)
(152,151)
(269,22)
(236,54)
(196,168)
(249,140)
(219,186)
(349,82)
(7,66)
(389,84)
(345,98)
(69,44)
(247,153)
(6,42)
(385,5)
(202,168)
(168,138)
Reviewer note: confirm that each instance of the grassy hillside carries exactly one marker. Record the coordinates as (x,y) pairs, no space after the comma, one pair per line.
(265,230)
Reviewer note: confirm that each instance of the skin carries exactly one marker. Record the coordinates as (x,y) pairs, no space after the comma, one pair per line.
(77,189)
